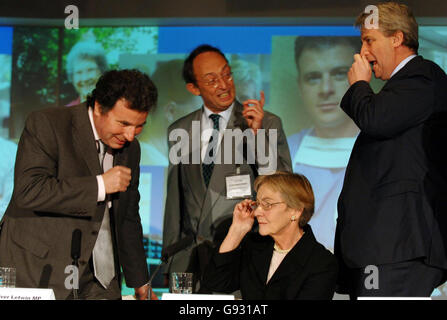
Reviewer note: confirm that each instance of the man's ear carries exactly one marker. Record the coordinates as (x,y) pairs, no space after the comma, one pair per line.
(398,39)
(193,89)
(97,109)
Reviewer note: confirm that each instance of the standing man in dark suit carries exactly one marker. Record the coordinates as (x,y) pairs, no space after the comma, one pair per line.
(392,225)
(200,199)
(78,168)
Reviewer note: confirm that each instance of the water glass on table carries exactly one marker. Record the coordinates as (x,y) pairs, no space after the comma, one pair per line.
(7,277)
(181,282)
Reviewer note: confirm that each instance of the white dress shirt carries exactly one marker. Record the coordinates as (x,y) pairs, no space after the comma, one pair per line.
(207,126)
(402,64)
(108,161)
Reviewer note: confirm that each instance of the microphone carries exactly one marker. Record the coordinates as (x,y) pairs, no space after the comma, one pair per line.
(45,276)
(76,254)
(167,253)
(175,248)
(76,245)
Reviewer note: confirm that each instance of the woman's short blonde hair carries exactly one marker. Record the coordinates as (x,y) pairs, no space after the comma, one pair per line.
(295,190)
(395,17)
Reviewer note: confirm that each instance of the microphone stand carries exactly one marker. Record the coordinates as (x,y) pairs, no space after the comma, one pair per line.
(75,255)
(75,290)
(149,283)
(167,253)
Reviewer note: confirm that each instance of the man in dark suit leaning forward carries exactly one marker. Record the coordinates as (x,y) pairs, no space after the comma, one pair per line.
(78,168)
(391,233)
(208,182)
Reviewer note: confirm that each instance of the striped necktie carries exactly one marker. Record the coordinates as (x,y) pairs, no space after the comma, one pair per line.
(103,259)
(207,169)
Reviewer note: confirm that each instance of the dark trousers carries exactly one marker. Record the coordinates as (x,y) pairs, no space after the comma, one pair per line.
(91,289)
(404,279)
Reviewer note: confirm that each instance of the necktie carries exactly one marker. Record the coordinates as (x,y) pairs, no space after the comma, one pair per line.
(207,169)
(103,260)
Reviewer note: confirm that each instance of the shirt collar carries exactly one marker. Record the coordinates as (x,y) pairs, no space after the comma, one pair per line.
(224,114)
(92,123)
(402,64)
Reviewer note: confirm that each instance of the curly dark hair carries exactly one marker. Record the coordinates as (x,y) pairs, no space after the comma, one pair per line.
(133,85)
(188,72)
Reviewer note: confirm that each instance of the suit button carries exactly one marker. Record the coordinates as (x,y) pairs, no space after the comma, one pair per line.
(94,233)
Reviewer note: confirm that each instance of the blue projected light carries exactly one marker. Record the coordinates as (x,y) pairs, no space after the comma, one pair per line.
(156,206)
(6,42)
(248,40)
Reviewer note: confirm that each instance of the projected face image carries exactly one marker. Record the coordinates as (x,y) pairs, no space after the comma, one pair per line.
(323,81)
(85,75)
(176,110)
(245,91)
(214,82)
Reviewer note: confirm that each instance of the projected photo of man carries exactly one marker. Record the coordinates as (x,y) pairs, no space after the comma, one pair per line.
(173,103)
(247,78)
(321,151)
(86,62)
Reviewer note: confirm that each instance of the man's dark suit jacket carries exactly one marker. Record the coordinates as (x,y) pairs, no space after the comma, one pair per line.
(191,208)
(56,192)
(308,271)
(392,207)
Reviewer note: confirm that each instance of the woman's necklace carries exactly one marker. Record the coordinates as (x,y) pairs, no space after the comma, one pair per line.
(282,251)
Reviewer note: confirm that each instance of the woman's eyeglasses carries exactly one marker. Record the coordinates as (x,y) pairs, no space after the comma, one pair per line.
(266,206)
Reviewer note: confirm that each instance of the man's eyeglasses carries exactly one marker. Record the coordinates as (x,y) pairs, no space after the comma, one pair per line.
(266,206)
(213,80)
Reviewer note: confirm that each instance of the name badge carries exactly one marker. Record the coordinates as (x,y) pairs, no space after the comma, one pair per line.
(238,186)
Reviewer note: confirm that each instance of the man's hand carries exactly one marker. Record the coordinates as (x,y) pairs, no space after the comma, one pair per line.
(142,293)
(254,113)
(360,70)
(117,179)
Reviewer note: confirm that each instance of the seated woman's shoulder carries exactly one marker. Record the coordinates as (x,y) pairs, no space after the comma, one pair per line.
(324,257)
(254,239)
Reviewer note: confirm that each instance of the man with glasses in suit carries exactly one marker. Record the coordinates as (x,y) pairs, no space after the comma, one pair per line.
(199,200)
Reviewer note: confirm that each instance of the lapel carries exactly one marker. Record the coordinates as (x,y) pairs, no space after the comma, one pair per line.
(84,140)
(237,120)
(261,260)
(193,172)
(297,258)
(217,187)
(120,157)
(85,147)
(403,73)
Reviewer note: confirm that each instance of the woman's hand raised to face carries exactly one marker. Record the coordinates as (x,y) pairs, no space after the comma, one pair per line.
(243,216)
(243,219)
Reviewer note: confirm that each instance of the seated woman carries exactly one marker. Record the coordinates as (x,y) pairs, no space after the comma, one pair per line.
(283,261)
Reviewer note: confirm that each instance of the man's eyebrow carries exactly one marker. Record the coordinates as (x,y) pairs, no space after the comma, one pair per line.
(126,123)
(312,73)
(340,68)
(226,66)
